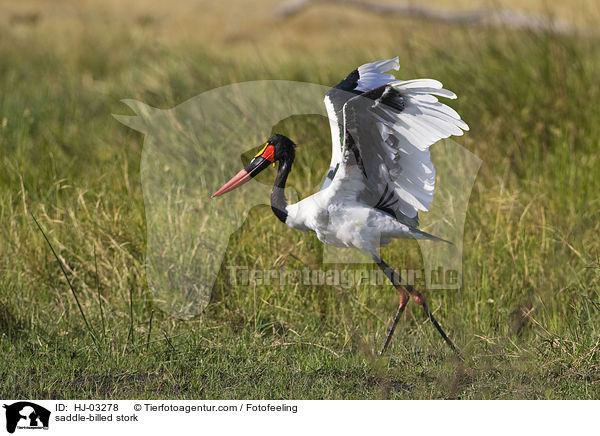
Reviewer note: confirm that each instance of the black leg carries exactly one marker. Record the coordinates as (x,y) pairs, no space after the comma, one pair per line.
(421,301)
(404,291)
(401,306)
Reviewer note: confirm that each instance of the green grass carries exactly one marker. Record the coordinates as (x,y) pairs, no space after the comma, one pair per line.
(527,318)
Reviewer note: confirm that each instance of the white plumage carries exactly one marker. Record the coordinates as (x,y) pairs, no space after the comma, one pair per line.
(392,141)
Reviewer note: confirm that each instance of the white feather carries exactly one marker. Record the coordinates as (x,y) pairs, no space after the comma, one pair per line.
(372,75)
(336,146)
(402,160)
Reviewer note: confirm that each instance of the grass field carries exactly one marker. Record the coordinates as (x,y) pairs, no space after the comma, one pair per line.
(527,317)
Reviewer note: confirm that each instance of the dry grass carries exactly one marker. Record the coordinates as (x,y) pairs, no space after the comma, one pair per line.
(527,316)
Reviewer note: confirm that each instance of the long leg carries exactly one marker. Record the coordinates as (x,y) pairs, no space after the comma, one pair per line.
(421,302)
(402,294)
(403,302)
(404,291)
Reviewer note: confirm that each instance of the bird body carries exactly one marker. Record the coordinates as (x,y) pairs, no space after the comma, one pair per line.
(380,174)
(339,218)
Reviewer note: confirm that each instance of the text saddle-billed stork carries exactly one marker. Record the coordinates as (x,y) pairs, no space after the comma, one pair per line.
(380,174)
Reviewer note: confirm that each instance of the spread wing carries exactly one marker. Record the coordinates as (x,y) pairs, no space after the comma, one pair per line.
(364,78)
(387,132)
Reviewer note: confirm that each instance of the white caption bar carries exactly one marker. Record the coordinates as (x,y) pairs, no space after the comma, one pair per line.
(246,417)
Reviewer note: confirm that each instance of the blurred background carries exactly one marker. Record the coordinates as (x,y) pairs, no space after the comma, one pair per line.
(527,317)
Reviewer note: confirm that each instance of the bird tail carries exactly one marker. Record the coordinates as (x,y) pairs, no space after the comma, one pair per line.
(419,234)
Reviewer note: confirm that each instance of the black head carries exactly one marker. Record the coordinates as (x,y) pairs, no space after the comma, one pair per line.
(284,147)
(278,148)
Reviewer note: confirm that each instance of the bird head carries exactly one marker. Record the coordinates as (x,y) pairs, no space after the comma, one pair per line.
(278,148)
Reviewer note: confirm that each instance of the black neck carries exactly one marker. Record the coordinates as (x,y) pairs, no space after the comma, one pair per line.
(278,200)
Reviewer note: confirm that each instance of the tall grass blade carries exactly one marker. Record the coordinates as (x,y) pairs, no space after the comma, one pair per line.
(73,291)
(149,329)
(99,296)
(130,335)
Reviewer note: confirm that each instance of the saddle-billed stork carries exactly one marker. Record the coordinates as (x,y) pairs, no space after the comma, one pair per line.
(380,174)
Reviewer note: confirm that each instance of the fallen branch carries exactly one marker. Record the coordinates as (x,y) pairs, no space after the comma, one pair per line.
(479,17)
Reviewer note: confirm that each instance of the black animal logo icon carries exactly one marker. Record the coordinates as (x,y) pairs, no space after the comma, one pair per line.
(26,414)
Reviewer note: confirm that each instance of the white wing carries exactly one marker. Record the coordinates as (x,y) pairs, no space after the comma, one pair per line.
(372,75)
(364,78)
(388,134)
